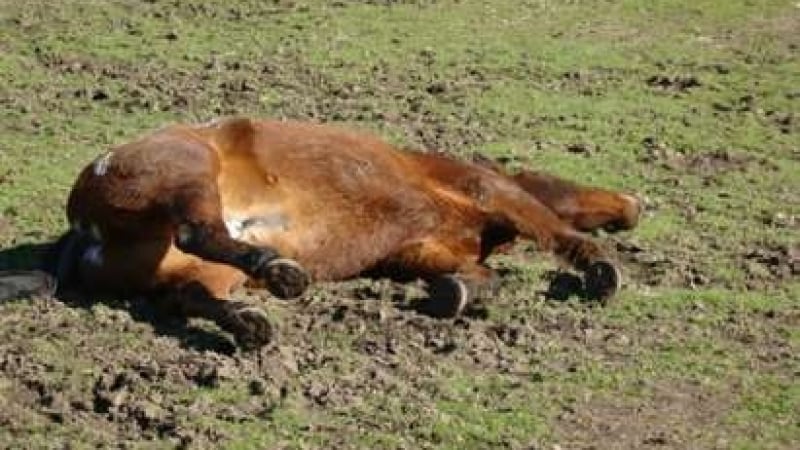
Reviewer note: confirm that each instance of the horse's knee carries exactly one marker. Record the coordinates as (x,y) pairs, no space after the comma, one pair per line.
(213,243)
(283,277)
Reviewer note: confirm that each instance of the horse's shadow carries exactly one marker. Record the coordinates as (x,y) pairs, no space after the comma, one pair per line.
(26,273)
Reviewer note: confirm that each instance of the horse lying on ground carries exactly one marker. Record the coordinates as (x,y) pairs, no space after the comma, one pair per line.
(190,213)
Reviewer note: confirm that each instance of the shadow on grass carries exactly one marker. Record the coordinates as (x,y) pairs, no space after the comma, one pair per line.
(564,285)
(27,271)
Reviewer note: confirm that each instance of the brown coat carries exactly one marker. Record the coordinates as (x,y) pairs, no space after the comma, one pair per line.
(194,211)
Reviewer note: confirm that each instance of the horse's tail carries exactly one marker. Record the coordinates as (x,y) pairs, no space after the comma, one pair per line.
(57,271)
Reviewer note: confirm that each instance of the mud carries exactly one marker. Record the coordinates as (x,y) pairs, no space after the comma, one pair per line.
(136,395)
(705,163)
(133,386)
(306,93)
(600,419)
(768,265)
(117,373)
(654,266)
(679,83)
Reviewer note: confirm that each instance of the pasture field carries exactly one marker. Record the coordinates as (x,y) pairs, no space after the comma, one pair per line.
(695,105)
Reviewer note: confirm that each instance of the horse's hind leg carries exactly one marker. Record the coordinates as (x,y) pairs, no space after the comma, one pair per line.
(201,231)
(510,210)
(248,323)
(451,270)
(585,208)
(180,283)
(533,220)
(202,289)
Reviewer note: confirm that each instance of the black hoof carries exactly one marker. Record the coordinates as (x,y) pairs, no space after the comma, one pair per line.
(249,325)
(285,278)
(563,285)
(448,297)
(25,283)
(602,281)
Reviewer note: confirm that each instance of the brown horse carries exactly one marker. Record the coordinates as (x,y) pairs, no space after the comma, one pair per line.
(189,213)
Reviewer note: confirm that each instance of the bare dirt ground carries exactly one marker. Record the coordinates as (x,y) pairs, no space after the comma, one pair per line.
(691,104)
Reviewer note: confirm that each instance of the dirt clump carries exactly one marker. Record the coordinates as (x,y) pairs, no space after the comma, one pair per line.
(678,83)
(702,163)
(787,122)
(652,267)
(288,87)
(662,418)
(771,264)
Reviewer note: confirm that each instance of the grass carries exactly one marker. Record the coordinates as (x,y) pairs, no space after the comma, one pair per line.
(717,159)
